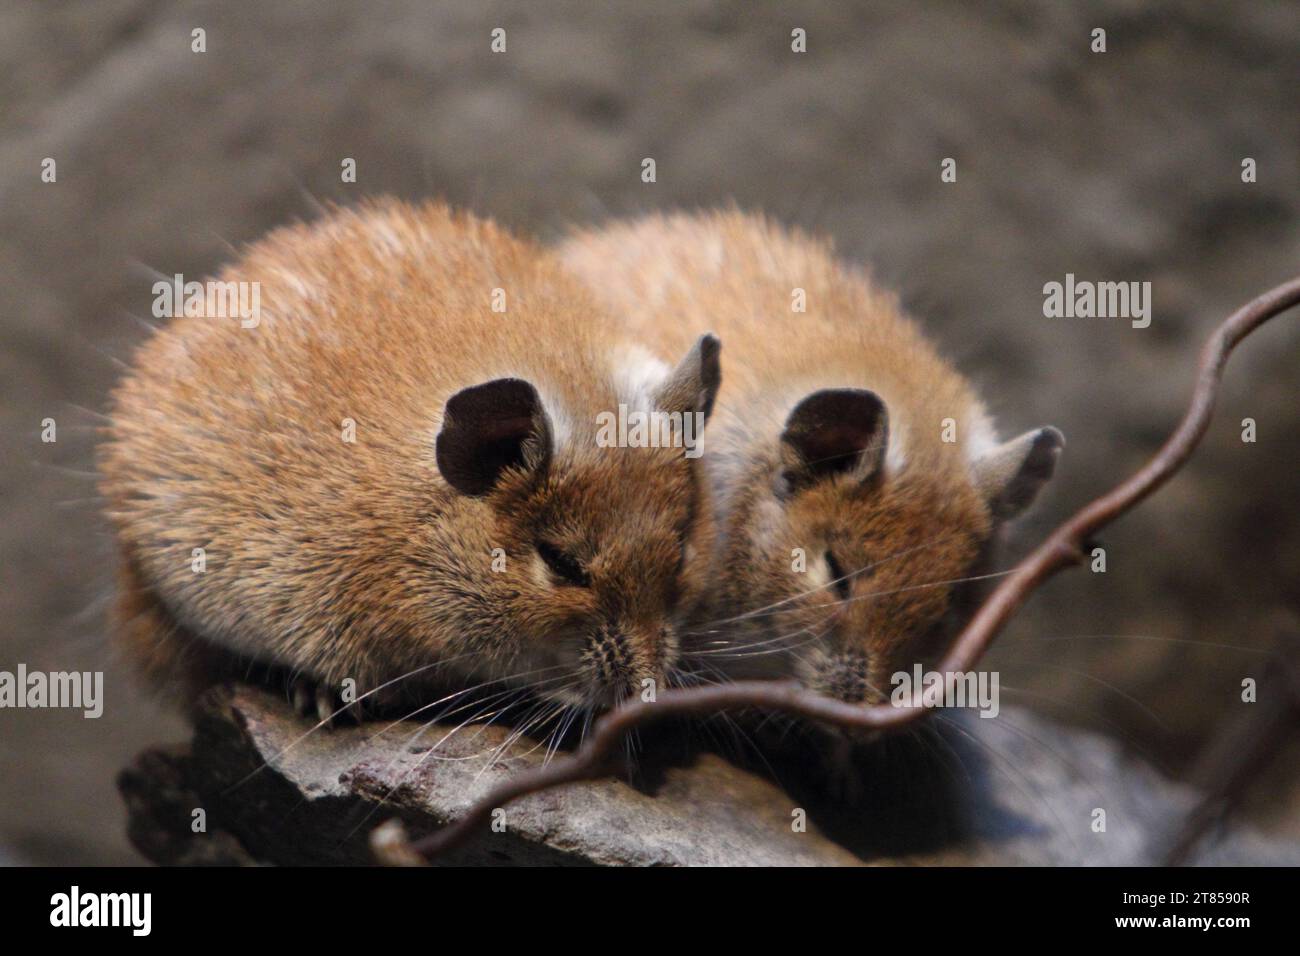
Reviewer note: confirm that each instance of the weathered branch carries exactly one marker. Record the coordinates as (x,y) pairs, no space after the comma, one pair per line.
(1062,548)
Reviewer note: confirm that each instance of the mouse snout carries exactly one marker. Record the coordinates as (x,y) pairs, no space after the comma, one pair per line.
(621,660)
(847,676)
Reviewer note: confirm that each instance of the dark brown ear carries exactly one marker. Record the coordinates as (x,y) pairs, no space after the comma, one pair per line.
(489,428)
(1011,475)
(693,385)
(835,431)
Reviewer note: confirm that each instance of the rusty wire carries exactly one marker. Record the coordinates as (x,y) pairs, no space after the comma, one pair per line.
(1062,548)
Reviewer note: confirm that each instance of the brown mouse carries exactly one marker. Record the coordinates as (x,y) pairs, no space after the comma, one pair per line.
(392,483)
(857,478)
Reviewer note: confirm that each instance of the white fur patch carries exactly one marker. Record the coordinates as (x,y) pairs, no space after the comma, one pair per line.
(638,373)
(818,574)
(540,573)
(562,428)
(896,452)
(981,439)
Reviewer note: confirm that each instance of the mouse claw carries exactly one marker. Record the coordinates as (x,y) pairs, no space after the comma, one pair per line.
(302,702)
(322,703)
(325,706)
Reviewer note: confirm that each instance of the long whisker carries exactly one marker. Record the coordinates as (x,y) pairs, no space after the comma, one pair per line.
(1111,687)
(1132,637)
(720,646)
(1009,770)
(383,801)
(542,713)
(910,587)
(435,720)
(794,597)
(469,690)
(270,761)
(1132,740)
(477,715)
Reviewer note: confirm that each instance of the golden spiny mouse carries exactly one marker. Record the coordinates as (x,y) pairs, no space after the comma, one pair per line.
(388,479)
(857,477)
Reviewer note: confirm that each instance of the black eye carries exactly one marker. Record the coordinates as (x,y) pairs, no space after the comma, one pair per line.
(564,567)
(838,577)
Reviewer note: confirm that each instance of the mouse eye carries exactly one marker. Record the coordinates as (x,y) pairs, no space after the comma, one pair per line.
(563,566)
(838,578)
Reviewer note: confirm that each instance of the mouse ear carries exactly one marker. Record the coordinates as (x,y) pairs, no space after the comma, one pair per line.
(489,428)
(1011,475)
(693,385)
(835,431)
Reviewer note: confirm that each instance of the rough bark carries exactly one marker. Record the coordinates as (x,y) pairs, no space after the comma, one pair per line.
(1016,789)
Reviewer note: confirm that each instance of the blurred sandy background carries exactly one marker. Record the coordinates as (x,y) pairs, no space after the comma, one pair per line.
(1123,166)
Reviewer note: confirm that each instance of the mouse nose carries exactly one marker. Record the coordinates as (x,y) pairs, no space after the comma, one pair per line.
(846,676)
(619,663)
(609,655)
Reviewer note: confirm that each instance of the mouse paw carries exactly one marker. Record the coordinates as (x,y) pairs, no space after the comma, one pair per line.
(324,703)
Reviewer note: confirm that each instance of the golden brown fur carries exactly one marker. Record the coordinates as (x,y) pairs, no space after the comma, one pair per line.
(339,560)
(898,528)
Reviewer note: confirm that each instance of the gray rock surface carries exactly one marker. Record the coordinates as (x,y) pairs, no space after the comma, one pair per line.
(275,791)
